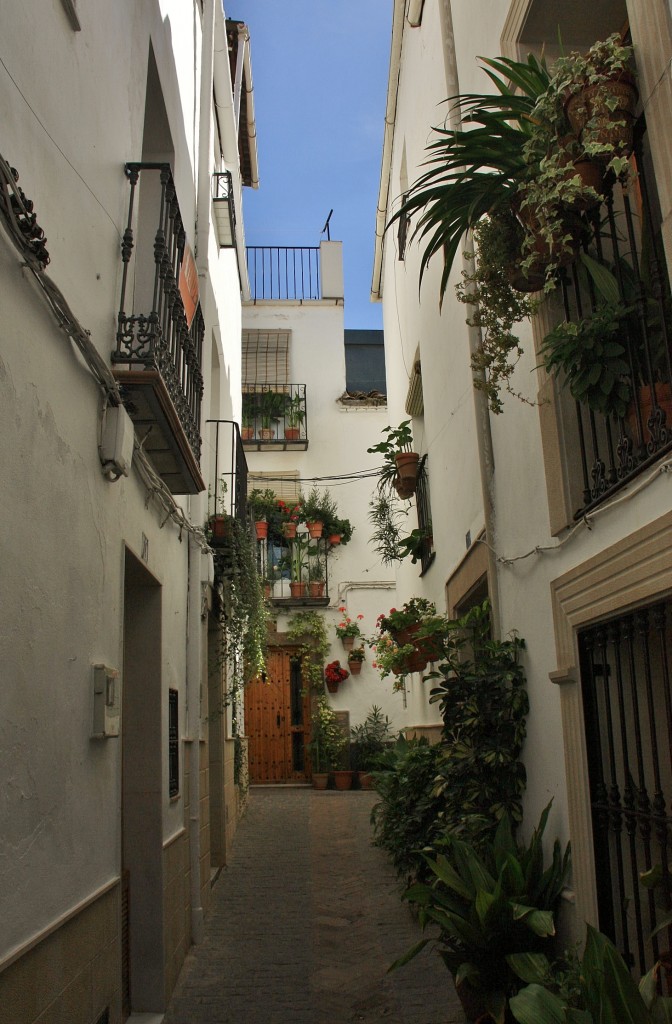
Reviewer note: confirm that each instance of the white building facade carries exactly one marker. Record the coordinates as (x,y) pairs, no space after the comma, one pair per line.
(123,123)
(505,491)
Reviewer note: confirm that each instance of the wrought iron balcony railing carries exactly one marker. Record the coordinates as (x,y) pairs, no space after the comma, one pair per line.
(283,272)
(274,417)
(604,453)
(158,355)
(227,493)
(295,570)
(225,214)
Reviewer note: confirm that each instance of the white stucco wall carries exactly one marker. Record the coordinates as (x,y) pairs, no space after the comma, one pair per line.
(447,430)
(63,527)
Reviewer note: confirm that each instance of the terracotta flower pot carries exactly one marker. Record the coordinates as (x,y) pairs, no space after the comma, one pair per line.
(365,780)
(331,686)
(292,433)
(348,642)
(342,779)
(611,127)
(266,434)
(334,539)
(425,649)
(316,589)
(220,529)
(289,530)
(404,488)
(320,780)
(645,403)
(247,433)
(407,468)
(261,527)
(297,589)
(355,666)
(315,529)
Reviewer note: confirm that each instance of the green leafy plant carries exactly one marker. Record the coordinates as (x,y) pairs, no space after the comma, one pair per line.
(271,405)
(399,440)
(497,305)
(308,629)
(483,703)
(249,410)
(409,815)
(263,504)
(328,740)
(295,412)
(598,989)
(318,506)
(369,739)
(341,527)
(386,516)
(592,357)
(488,903)
(415,611)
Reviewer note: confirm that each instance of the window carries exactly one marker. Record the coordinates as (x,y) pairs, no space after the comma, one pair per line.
(365,362)
(174,745)
(266,357)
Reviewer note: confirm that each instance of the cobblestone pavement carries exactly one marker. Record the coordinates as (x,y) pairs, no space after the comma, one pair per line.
(304,923)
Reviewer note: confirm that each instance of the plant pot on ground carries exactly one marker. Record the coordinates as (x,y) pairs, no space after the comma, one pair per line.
(369,740)
(342,778)
(489,902)
(327,738)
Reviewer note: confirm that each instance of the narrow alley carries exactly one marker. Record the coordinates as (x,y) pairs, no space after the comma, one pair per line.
(305,921)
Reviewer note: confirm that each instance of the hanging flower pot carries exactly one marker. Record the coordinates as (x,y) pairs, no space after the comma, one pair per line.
(334,539)
(604,113)
(289,530)
(332,685)
(407,468)
(261,527)
(404,488)
(348,642)
(315,529)
(220,530)
(355,666)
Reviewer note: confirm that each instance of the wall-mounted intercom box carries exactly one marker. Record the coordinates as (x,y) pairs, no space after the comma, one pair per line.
(106,701)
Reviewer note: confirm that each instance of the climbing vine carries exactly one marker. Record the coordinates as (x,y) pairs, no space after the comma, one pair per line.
(241,611)
(309,629)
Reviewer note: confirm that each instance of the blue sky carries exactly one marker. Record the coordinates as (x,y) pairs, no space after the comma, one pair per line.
(320,82)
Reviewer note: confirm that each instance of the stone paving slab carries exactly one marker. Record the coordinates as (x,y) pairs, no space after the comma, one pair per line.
(304,923)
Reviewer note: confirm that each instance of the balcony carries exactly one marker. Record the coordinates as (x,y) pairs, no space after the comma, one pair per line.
(274,417)
(285,273)
(295,570)
(227,497)
(157,359)
(605,452)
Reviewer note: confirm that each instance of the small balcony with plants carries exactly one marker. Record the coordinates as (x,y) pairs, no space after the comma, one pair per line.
(553,173)
(295,543)
(274,417)
(160,329)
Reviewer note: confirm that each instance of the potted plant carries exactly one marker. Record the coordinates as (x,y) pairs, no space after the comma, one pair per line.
(327,741)
(295,414)
(262,505)
(347,630)
(318,508)
(369,740)
(248,416)
(338,531)
(334,675)
(355,660)
(289,517)
(489,902)
(591,355)
(271,407)
(417,626)
(400,466)
(219,523)
(600,98)
(298,565)
(598,987)
(316,581)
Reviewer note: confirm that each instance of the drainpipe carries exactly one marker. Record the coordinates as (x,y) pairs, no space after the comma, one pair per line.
(196,509)
(388,139)
(486,459)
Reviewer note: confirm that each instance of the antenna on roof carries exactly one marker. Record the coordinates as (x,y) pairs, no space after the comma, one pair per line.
(326,226)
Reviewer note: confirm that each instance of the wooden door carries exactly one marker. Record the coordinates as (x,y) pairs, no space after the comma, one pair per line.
(277,721)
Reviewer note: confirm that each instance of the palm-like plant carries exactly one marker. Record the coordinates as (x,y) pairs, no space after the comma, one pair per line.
(474,169)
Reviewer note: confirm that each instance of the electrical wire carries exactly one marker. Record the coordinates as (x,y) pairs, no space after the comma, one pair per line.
(16,216)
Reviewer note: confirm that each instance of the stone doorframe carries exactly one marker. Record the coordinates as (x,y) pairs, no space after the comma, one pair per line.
(633,572)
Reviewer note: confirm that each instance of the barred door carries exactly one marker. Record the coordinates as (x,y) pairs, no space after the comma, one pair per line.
(626,677)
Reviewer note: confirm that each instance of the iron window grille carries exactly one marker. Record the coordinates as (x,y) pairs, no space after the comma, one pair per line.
(626,676)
